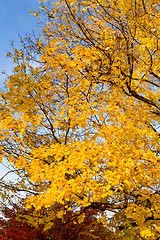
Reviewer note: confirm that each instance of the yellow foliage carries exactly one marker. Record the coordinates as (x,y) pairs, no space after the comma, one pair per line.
(82,124)
(146,233)
(81,218)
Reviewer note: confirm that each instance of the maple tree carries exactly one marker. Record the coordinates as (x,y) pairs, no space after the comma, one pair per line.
(11,228)
(80,113)
(14,226)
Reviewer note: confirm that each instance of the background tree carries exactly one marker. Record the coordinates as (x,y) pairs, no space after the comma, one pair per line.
(14,226)
(80,113)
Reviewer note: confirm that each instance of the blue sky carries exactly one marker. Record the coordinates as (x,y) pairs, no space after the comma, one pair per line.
(14,19)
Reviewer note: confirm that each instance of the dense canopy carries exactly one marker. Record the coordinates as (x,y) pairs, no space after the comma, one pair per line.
(80,113)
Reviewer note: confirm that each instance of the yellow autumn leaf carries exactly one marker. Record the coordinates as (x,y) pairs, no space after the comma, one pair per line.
(81,218)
